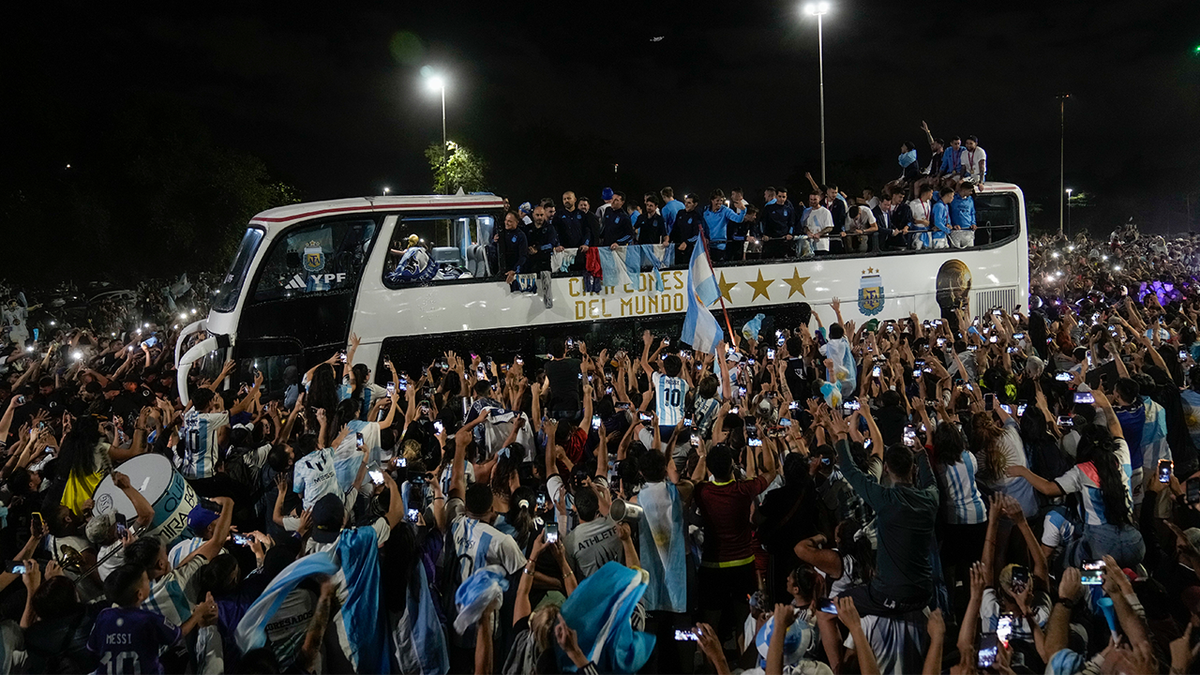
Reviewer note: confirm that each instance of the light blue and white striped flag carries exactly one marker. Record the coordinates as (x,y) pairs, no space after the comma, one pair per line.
(700,328)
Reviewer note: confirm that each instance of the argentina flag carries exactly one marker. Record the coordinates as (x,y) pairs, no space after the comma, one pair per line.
(700,328)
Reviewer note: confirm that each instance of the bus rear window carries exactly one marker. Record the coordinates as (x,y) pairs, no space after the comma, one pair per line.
(231,286)
(997,213)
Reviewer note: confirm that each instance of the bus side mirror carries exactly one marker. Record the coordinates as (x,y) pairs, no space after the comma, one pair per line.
(293,259)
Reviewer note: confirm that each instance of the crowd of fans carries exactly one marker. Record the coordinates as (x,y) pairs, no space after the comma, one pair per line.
(829,497)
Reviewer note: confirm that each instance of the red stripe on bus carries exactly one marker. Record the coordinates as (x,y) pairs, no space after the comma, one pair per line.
(371,208)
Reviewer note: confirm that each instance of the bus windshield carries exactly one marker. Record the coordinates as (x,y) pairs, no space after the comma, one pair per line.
(231,286)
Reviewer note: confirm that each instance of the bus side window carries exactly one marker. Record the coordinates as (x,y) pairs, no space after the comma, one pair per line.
(318,258)
(430,249)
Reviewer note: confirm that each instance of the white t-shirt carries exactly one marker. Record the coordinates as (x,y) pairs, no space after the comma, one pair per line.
(483,544)
(380,527)
(973,161)
(669,395)
(315,476)
(864,220)
(819,219)
(921,211)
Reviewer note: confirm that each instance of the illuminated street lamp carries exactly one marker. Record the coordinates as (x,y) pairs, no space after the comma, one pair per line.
(386,190)
(820,9)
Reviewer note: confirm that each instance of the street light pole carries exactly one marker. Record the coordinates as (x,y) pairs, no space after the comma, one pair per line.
(1062,162)
(819,10)
(439,83)
(1069,191)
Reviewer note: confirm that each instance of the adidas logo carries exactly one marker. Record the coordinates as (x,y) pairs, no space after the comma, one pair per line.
(297,283)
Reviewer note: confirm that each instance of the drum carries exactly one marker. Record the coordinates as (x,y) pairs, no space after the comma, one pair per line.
(164,487)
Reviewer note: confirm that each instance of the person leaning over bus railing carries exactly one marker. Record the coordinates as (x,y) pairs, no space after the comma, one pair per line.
(860,224)
(940,226)
(512,248)
(962,217)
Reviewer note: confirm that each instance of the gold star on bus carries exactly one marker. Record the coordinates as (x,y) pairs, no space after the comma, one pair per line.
(726,286)
(796,283)
(760,287)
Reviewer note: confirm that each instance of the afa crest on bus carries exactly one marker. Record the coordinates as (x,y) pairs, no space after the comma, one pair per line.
(870,292)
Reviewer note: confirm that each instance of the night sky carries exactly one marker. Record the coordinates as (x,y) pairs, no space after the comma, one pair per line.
(330,96)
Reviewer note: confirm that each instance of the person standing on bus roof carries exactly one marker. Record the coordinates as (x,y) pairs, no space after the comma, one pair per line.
(974,161)
(670,207)
(715,216)
(617,229)
(542,241)
(740,233)
(941,219)
(922,216)
(570,226)
(686,231)
(833,200)
(896,219)
(512,248)
(818,223)
(779,224)
(962,217)
(653,228)
(591,221)
(607,195)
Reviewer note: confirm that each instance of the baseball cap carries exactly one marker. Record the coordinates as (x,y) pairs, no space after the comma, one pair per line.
(328,514)
(199,518)
(100,527)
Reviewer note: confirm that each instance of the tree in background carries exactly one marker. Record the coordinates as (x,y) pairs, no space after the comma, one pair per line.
(456,168)
(147,193)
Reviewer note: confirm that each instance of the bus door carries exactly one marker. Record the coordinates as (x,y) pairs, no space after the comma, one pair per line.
(304,294)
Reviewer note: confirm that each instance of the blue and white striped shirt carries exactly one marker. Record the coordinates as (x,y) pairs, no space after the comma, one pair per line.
(962,504)
(200,440)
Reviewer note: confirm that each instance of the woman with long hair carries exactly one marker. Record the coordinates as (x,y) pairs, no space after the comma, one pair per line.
(322,393)
(964,518)
(1102,479)
(997,446)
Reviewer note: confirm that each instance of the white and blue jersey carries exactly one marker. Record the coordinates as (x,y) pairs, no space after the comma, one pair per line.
(669,396)
(1085,479)
(315,476)
(200,432)
(962,504)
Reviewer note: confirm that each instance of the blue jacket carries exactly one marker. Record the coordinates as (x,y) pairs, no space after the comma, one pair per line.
(941,220)
(778,220)
(669,211)
(617,228)
(572,228)
(962,212)
(512,250)
(714,223)
(687,226)
(952,160)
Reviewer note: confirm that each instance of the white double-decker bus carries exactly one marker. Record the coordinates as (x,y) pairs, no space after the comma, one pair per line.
(306,276)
